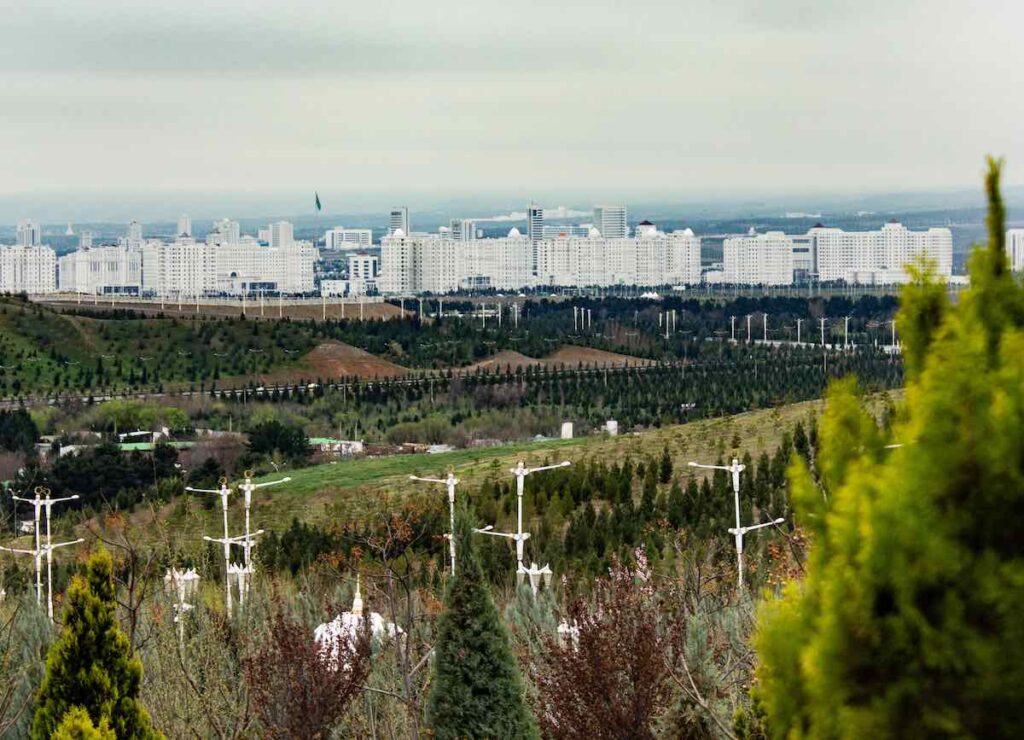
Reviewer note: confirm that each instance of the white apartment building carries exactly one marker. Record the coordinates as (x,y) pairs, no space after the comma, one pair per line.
(501,264)
(363,271)
(758,259)
(187,267)
(418,264)
(611,221)
(651,257)
(878,257)
(29,234)
(462,229)
(1015,249)
(282,234)
(29,269)
(341,238)
(101,270)
(224,231)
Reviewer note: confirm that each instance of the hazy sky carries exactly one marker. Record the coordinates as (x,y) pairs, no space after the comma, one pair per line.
(452,98)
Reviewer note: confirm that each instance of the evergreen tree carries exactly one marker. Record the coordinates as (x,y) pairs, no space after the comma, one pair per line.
(77,725)
(90,665)
(476,689)
(908,623)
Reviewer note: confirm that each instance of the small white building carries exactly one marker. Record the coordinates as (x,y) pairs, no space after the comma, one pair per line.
(758,259)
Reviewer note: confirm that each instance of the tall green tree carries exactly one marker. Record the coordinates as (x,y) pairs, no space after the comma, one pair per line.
(477,690)
(90,665)
(908,622)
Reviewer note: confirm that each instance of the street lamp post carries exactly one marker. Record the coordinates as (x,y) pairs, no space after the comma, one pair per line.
(519,538)
(738,531)
(520,471)
(450,482)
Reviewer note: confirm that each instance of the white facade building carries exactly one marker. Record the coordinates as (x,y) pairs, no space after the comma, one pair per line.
(398,220)
(561,232)
(184,226)
(341,238)
(418,264)
(651,257)
(186,267)
(29,269)
(611,221)
(363,271)
(282,234)
(1015,249)
(462,229)
(878,257)
(29,234)
(224,231)
(501,264)
(102,270)
(758,259)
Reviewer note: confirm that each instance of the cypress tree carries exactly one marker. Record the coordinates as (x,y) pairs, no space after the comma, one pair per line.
(77,725)
(908,622)
(476,689)
(90,666)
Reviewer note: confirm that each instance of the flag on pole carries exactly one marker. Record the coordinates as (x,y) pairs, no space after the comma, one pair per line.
(317,197)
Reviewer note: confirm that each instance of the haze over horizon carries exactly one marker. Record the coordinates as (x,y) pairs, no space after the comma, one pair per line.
(427,104)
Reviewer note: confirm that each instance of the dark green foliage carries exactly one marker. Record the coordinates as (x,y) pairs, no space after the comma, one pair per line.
(476,690)
(105,475)
(18,433)
(90,665)
(273,436)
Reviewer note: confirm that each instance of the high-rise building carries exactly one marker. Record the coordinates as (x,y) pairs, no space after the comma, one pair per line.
(341,238)
(611,221)
(534,231)
(85,240)
(880,257)
(102,270)
(282,233)
(184,226)
(28,269)
(29,234)
(758,259)
(363,270)
(135,232)
(398,219)
(224,231)
(462,229)
(1015,249)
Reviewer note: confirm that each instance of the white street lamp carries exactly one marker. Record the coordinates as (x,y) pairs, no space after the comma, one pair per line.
(451,481)
(738,531)
(518,537)
(247,487)
(42,501)
(536,573)
(520,471)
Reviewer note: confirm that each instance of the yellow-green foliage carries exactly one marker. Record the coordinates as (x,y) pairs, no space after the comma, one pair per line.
(910,620)
(77,725)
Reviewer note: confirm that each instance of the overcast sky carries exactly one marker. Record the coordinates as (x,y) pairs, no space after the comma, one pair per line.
(456,97)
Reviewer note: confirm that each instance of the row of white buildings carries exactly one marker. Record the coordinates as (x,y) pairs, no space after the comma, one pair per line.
(439,263)
(226,263)
(831,254)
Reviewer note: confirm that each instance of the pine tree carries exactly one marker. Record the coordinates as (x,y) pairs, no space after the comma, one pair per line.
(476,689)
(90,665)
(908,622)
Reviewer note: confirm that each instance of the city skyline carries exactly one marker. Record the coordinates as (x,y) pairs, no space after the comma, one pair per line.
(789,98)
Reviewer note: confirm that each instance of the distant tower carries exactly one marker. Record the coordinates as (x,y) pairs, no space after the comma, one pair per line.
(399,219)
(462,229)
(282,234)
(70,231)
(184,226)
(135,231)
(30,234)
(85,240)
(611,221)
(535,231)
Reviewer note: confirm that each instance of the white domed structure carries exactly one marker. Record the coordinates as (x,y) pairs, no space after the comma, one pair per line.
(594,233)
(514,233)
(347,626)
(398,232)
